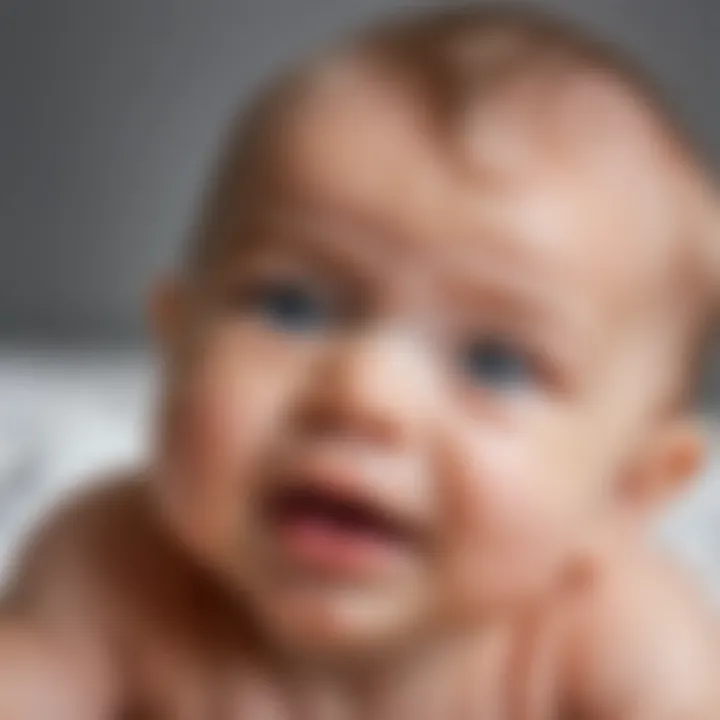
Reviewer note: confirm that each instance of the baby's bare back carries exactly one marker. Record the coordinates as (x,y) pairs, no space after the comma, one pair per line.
(107,618)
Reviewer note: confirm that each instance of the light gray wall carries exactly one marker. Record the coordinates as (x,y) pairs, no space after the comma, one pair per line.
(110,111)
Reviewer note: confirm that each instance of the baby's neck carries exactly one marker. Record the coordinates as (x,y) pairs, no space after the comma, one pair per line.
(437,681)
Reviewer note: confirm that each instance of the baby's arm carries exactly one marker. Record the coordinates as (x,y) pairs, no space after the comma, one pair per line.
(644,648)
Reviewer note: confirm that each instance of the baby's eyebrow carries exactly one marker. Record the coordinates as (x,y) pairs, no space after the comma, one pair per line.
(502,270)
(327,237)
(523,291)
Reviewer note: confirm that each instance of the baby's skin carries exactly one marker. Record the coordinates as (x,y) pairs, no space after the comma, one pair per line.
(414,428)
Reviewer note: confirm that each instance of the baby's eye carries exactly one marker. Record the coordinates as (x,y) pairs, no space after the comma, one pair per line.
(291,307)
(497,364)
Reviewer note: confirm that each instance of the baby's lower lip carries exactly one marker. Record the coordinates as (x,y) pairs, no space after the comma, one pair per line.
(324,546)
(321,542)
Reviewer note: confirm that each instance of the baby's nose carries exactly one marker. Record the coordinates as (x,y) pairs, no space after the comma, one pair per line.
(379,387)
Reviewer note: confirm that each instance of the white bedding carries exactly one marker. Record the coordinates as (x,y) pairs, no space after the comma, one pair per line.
(64,416)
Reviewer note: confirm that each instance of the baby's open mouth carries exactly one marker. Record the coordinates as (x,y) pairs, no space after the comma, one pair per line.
(349,515)
(337,533)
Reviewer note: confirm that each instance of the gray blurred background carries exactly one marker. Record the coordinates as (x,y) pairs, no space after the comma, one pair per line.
(110,117)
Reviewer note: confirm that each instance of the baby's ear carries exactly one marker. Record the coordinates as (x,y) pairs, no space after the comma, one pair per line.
(166,311)
(672,457)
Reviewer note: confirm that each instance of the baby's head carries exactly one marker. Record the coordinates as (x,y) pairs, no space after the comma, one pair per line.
(437,331)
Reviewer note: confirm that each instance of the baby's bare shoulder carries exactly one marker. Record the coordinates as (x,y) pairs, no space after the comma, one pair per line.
(65,558)
(644,642)
(52,612)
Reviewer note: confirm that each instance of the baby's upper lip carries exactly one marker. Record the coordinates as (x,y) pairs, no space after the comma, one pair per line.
(359,483)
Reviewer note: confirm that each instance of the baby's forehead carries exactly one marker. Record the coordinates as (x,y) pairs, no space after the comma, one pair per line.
(579,178)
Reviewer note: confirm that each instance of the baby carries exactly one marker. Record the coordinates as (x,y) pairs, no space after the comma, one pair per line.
(428,376)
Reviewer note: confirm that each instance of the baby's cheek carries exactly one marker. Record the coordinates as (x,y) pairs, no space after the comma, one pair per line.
(515,509)
(220,421)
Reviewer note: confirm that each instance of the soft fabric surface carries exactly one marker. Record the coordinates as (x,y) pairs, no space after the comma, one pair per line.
(66,417)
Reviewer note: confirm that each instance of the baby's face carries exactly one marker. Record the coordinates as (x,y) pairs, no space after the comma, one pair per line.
(392,414)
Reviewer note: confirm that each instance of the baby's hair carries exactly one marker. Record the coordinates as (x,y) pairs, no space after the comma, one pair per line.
(447,59)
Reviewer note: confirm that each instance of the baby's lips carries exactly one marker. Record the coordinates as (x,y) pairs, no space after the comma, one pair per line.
(387,484)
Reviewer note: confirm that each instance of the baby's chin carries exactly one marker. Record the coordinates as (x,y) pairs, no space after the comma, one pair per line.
(338,623)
